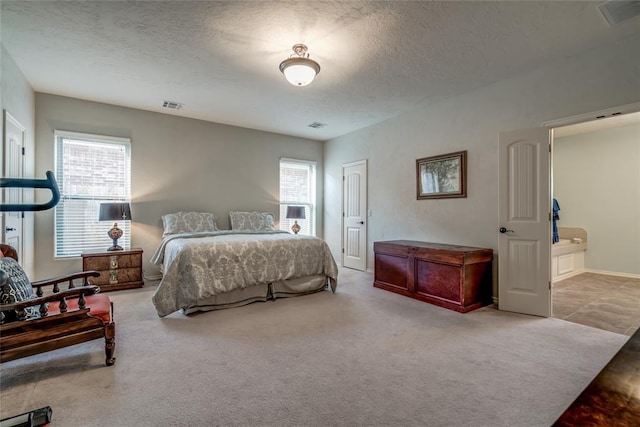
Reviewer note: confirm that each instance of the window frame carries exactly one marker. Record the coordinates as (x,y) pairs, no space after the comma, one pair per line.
(310,205)
(100,227)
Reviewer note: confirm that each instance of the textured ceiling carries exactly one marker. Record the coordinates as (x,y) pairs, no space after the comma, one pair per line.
(378,59)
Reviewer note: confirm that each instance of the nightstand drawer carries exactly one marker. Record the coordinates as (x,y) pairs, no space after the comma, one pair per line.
(121,275)
(107,262)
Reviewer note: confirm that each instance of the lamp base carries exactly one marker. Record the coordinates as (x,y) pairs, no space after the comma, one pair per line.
(115,247)
(295,227)
(115,233)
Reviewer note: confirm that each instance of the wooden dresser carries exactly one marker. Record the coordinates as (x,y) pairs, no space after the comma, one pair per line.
(118,269)
(450,276)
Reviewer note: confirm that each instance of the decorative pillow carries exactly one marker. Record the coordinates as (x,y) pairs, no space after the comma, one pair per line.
(188,222)
(258,221)
(18,286)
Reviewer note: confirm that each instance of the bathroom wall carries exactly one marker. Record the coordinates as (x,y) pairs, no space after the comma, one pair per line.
(596,180)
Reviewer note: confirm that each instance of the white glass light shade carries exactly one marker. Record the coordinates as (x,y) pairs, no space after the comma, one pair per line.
(299,71)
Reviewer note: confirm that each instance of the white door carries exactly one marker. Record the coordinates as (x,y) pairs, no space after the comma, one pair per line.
(524,279)
(14,137)
(354,213)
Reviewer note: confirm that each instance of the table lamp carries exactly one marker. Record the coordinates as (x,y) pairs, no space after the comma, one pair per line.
(295,212)
(115,212)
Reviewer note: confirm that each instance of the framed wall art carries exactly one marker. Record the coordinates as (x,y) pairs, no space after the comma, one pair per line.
(443,176)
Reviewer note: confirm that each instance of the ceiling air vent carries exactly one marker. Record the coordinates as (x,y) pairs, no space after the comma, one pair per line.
(317,125)
(619,10)
(173,105)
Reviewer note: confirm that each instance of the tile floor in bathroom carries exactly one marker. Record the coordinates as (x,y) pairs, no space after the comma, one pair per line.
(601,301)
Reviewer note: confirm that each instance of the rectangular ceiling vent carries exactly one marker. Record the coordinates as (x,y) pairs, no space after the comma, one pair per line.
(317,125)
(616,11)
(173,105)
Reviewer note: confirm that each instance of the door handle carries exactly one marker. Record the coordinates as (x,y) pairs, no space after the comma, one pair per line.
(504,230)
(8,229)
(361,222)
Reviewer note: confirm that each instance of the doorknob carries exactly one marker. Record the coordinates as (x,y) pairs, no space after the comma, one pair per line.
(361,222)
(8,229)
(504,230)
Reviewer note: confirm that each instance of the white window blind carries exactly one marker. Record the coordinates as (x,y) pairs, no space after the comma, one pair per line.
(90,169)
(298,188)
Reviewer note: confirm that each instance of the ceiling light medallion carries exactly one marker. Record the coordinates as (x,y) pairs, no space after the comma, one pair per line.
(298,69)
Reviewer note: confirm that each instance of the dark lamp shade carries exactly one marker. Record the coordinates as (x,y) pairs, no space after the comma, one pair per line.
(295,212)
(115,212)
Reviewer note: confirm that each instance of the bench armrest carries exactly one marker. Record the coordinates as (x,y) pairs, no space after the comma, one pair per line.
(19,307)
(69,278)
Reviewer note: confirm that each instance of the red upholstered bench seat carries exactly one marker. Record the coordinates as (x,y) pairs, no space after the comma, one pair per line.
(98,304)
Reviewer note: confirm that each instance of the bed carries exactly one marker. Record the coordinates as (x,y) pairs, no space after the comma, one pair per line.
(208,269)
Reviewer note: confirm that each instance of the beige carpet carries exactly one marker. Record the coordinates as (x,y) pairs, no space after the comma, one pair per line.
(361,357)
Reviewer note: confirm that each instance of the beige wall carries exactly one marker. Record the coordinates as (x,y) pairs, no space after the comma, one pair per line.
(186,164)
(593,81)
(17,98)
(596,180)
(177,164)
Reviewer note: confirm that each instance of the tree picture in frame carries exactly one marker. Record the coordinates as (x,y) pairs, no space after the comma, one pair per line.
(442,177)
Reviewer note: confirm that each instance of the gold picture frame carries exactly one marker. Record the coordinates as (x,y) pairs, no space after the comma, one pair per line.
(442,177)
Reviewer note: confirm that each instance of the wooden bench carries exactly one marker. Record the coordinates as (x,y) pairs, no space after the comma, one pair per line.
(67,317)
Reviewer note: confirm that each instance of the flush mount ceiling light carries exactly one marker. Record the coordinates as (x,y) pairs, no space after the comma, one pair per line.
(298,69)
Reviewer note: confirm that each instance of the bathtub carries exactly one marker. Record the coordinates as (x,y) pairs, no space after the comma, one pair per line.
(566,246)
(567,258)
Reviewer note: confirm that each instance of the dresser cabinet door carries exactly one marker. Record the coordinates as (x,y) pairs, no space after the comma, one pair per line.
(438,280)
(391,270)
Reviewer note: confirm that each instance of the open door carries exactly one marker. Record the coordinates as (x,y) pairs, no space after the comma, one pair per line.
(524,272)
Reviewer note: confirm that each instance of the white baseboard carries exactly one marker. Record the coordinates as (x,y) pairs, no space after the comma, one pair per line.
(612,273)
(567,275)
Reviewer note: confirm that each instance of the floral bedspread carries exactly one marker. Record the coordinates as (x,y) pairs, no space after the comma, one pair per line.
(200,265)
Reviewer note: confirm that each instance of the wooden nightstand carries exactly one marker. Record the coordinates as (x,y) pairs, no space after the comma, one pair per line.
(118,269)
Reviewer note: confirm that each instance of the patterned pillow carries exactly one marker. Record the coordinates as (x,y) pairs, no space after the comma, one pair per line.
(17,288)
(188,222)
(258,221)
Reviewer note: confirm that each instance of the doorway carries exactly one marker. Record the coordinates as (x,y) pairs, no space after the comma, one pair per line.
(525,214)
(596,181)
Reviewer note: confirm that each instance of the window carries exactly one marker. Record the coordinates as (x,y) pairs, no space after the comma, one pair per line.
(298,188)
(90,169)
